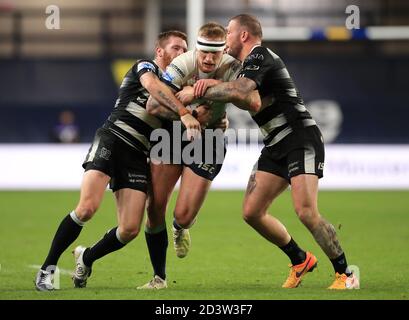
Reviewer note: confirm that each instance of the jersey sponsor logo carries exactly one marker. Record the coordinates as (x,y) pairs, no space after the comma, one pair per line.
(293,166)
(137,178)
(105,153)
(207,167)
(252,68)
(167,76)
(146,65)
(254,56)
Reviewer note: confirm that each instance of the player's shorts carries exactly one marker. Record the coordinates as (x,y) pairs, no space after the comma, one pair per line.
(301,152)
(204,156)
(127,166)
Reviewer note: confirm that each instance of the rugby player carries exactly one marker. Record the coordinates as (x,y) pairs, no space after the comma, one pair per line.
(118,157)
(293,153)
(206,61)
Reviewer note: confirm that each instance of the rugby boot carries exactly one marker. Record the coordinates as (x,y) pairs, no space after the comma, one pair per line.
(343,282)
(298,271)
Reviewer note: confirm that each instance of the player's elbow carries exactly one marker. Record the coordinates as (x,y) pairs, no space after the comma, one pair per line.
(247,102)
(255,106)
(151,108)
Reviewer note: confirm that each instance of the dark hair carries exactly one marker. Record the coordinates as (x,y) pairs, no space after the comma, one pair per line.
(164,36)
(251,23)
(212,30)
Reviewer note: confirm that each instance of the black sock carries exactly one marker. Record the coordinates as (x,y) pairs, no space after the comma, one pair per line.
(157,245)
(109,243)
(175,224)
(66,234)
(293,251)
(340,265)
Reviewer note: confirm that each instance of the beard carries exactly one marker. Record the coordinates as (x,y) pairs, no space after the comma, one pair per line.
(167,58)
(234,51)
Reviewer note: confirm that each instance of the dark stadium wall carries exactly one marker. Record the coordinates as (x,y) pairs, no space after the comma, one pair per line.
(34,92)
(366,99)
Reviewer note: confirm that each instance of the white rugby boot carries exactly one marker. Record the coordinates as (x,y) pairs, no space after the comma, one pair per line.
(82,272)
(181,241)
(44,281)
(156,283)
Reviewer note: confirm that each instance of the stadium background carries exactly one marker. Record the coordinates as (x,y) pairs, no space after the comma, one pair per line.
(353,81)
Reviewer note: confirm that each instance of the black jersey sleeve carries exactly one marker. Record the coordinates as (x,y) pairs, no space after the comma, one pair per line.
(143,66)
(256,65)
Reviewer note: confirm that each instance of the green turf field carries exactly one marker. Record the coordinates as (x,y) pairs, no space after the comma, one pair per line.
(228,260)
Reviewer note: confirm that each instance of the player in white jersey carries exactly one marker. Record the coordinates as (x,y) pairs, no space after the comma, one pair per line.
(207,61)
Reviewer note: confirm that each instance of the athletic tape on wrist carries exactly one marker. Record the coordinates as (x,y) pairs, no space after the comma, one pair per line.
(183,111)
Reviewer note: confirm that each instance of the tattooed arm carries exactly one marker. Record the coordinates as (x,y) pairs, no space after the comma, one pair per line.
(241,92)
(160,111)
(164,95)
(161,92)
(204,113)
(156,109)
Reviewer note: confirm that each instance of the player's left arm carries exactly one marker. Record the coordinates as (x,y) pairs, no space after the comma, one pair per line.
(241,92)
(174,77)
(244,91)
(156,109)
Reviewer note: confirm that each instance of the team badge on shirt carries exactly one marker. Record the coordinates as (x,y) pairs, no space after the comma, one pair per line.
(146,65)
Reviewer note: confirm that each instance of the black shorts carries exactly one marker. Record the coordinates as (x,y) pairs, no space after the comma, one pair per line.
(301,152)
(127,166)
(204,156)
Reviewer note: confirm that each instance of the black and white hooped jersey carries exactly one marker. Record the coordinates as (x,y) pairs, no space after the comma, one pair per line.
(129,120)
(283,109)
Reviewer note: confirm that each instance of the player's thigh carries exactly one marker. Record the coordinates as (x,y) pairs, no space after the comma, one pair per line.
(263,187)
(130,209)
(163,181)
(267,181)
(98,172)
(305,167)
(198,176)
(192,192)
(129,182)
(92,192)
(304,192)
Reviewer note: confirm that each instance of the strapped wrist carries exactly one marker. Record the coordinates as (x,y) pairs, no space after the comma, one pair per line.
(183,111)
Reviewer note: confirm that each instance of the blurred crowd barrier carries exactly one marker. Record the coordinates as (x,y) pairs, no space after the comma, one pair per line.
(347,167)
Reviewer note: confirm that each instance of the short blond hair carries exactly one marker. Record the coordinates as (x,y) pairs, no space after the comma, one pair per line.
(212,30)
